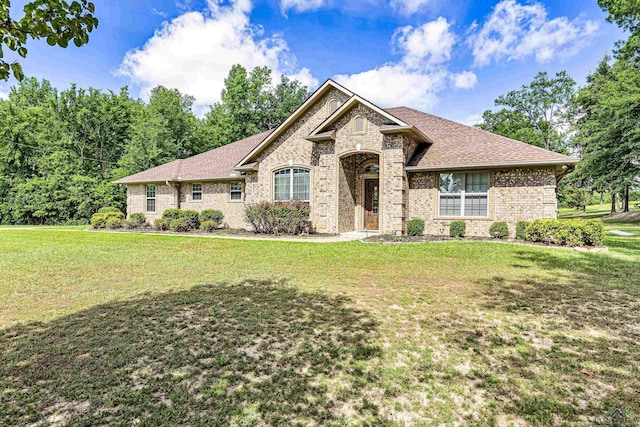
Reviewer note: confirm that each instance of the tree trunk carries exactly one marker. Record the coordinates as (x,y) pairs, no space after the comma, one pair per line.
(601,200)
(625,201)
(613,202)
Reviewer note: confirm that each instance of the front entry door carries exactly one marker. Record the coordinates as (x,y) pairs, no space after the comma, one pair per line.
(371,202)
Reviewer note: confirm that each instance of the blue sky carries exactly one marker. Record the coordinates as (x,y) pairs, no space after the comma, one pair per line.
(448,58)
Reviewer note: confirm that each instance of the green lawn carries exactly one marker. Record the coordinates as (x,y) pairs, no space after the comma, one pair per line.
(100,328)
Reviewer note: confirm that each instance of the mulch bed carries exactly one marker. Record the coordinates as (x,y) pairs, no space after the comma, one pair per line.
(219,232)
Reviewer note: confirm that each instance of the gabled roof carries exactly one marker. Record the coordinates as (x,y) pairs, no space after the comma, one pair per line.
(454,145)
(218,163)
(326,86)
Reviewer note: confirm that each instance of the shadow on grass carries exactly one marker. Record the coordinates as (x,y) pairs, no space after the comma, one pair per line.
(254,353)
(560,354)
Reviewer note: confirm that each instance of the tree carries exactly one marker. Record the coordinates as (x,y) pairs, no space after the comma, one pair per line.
(539,113)
(608,131)
(625,13)
(58,21)
(249,105)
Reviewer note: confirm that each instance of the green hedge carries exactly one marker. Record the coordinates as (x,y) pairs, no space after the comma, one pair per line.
(415,227)
(457,228)
(161,224)
(180,225)
(114,222)
(212,215)
(99,219)
(499,230)
(138,218)
(521,230)
(208,226)
(279,217)
(191,217)
(566,233)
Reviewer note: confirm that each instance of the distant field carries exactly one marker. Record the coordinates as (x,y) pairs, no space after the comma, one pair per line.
(115,328)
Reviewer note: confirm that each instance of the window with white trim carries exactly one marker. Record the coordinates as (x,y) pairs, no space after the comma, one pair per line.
(151,198)
(196,191)
(235,190)
(292,184)
(464,194)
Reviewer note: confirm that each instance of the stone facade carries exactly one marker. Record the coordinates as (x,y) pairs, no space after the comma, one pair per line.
(514,195)
(336,175)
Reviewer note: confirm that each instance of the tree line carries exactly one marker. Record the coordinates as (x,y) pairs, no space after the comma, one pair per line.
(599,123)
(61,150)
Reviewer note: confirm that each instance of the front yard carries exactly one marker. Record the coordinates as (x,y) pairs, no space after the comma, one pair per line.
(124,329)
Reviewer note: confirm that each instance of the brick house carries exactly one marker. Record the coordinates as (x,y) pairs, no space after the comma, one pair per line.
(363,167)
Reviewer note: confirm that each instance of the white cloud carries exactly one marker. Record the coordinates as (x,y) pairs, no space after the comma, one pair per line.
(420,74)
(194,52)
(300,5)
(3,95)
(472,119)
(464,80)
(408,7)
(428,44)
(514,32)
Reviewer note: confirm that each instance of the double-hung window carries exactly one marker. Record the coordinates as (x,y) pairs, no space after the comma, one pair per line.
(235,190)
(151,198)
(464,194)
(196,191)
(292,184)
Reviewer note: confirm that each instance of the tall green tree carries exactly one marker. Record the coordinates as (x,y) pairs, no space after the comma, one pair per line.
(57,21)
(609,129)
(539,113)
(163,130)
(250,104)
(625,13)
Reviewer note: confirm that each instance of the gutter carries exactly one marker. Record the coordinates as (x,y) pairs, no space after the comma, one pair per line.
(490,165)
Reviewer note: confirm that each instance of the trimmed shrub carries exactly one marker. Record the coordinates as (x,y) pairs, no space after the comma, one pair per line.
(108,209)
(161,224)
(415,227)
(130,224)
(180,225)
(566,233)
(171,214)
(138,218)
(457,228)
(114,222)
(593,232)
(208,226)
(521,230)
(499,230)
(192,218)
(279,217)
(212,215)
(99,220)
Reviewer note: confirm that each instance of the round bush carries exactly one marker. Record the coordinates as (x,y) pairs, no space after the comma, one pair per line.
(161,224)
(171,214)
(114,223)
(457,228)
(521,230)
(208,226)
(130,224)
(415,227)
(192,218)
(499,230)
(99,220)
(138,218)
(212,215)
(108,209)
(179,225)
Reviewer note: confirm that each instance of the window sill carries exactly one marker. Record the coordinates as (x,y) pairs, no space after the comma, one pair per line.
(464,218)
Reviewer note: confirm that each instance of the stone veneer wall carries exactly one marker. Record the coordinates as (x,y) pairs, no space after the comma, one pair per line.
(515,195)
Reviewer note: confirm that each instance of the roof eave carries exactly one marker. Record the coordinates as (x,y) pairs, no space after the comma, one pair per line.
(179,180)
(325,136)
(407,129)
(493,165)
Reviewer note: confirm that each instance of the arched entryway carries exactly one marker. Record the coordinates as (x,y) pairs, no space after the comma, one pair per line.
(359,192)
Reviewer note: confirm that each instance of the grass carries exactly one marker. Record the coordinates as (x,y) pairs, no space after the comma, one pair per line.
(123,329)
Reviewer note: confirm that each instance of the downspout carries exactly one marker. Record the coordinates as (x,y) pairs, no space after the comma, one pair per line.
(176,197)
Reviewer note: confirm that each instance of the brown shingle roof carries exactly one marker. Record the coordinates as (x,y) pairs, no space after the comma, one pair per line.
(218,163)
(457,145)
